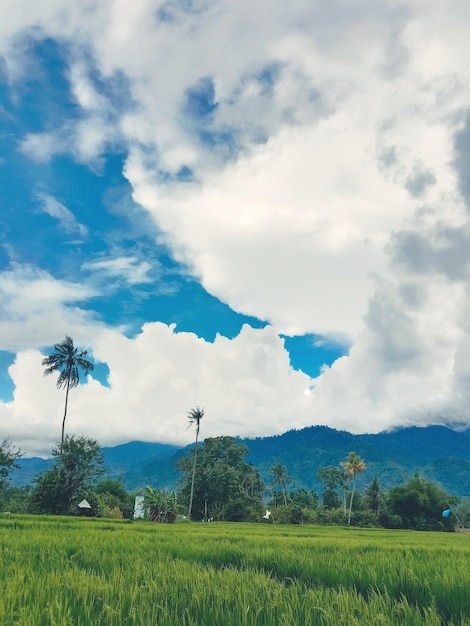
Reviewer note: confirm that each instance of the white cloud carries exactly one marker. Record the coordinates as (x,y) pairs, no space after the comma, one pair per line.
(246,386)
(59,211)
(402,369)
(333,207)
(133,271)
(36,309)
(283,234)
(83,90)
(40,147)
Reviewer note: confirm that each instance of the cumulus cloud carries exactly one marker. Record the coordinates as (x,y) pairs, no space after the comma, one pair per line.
(309,169)
(246,386)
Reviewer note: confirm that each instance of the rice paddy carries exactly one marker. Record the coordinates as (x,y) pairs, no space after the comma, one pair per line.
(70,571)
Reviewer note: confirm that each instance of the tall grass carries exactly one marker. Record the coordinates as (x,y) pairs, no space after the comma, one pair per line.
(66,571)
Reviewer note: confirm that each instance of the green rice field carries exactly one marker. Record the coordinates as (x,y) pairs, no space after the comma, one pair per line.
(60,571)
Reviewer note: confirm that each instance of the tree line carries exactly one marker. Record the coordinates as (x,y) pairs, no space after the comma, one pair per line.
(223,486)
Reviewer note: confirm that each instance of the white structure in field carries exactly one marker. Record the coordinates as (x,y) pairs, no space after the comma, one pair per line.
(139,507)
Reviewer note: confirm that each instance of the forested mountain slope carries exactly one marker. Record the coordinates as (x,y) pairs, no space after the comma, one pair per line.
(440,454)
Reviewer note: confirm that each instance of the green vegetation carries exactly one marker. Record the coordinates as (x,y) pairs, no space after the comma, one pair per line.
(161,505)
(66,571)
(225,487)
(416,502)
(9,457)
(78,463)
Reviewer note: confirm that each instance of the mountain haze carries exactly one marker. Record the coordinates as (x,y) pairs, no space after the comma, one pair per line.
(438,453)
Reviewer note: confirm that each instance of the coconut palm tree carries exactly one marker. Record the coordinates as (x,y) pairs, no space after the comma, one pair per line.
(353,466)
(280,478)
(68,361)
(194,416)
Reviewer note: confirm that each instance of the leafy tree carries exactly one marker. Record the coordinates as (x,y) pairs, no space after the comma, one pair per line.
(419,503)
(303,498)
(112,500)
(240,510)
(223,476)
(353,467)
(327,517)
(70,478)
(8,459)
(332,479)
(194,416)
(463,512)
(68,361)
(15,499)
(330,500)
(279,472)
(373,496)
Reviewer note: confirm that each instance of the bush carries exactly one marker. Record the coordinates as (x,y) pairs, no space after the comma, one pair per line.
(309,516)
(239,510)
(365,519)
(334,517)
(295,514)
(419,503)
(390,520)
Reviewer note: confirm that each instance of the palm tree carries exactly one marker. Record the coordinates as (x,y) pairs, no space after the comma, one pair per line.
(161,505)
(194,416)
(68,361)
(280,478)
(353,466)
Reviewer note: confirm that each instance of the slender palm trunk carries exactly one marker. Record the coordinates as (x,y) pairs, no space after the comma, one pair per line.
(351,502)
(194,476)
(284,493)
(63,424)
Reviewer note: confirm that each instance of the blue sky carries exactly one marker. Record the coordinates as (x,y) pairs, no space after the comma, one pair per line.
(269,221)
(72,220)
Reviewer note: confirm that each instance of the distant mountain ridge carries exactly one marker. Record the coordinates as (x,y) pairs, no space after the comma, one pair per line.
(438,453)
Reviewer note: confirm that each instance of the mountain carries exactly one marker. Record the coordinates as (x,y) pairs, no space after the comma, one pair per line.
(119,460)
(438,453)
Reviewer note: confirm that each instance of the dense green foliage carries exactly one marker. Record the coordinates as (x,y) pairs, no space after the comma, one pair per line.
(225,486)
(109,499)
(8,461)
(78,464)
(419,504)
(61,571)
(9,457)
(160,505)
